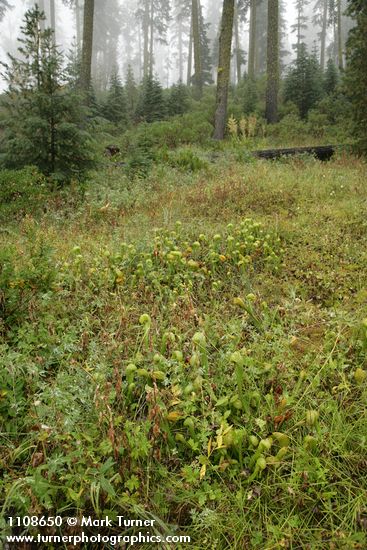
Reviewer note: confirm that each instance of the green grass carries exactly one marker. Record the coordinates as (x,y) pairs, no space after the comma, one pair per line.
(211,374)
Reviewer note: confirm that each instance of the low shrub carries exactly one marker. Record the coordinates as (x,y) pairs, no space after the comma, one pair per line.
(22,192)
(317,123)
(181,130)
(186,160)
(290,128)
(20,285)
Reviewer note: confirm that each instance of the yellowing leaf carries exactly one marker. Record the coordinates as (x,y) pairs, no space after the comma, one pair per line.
(209,446)
(239,302)
(173,416)
(174,402)
(227,430)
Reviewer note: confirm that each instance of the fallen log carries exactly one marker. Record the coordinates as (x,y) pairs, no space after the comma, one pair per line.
(324,152)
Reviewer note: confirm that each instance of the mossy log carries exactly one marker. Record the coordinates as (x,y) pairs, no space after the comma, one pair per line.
(323,152)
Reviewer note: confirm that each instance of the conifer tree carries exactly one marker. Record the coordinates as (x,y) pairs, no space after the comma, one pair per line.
(356,72)
(321,19)
(261,38)
(88,26)
(301,24)
(272,62)
(257,55)
(131,92)
(181,37)
(43,115)
(73,67)
(335,19)
(303,83)
(151,106)
(199,49)
(115,108)
(240,15)
(225,45)
(94,106)
(178,100)
(283,35)
(198,73)
(252,39)
(331,78)
(206,56)
(107,29)
(131,36)
(250,95)
(154,16)
(53,19)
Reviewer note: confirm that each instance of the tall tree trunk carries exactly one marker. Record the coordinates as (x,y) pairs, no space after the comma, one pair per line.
(252,43)
(151,52)
(335,45)
(197,50)
(237,44)
(189,58)
(299,30)
(340,39)
(234,68)
(86,69)
(140,54)
(180,54)
(41,5)
(261,38)
(272,62)
(53,19)
(224,67)
(146,38)
(77,24)
(323,34)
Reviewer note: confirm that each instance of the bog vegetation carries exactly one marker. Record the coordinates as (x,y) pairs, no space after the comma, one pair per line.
(183,327)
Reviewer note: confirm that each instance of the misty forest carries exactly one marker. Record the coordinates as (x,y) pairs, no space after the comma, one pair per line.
(183,269)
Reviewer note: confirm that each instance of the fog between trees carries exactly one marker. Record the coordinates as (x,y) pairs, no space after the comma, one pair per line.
(124,34)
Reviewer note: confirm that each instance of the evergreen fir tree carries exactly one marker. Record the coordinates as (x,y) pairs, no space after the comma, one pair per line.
(272,86)
(320,19)
(224,69)
(283,32)
(250,95)
(331,78)
(356,73)
(94,106)
(181,32)
(239,54)
(154,16)
(215,51)
(301,25)
(178,100)
(115,108)
(206,57)
(131,93)
(109,19)
(151,106)
(43,115)
(87,47)
(72,76)
(73,67)
(261,37)
(303,83)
